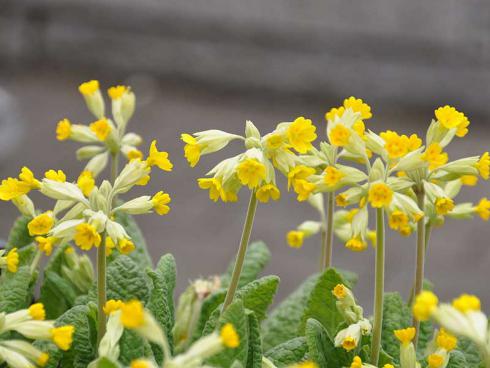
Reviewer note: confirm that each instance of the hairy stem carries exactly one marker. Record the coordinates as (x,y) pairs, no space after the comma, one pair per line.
(327,236)
(421,246)
(379,286)
(242,250)
(36,260)
(101,289)
(114,166)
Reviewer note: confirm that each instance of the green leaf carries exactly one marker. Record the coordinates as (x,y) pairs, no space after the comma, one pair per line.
(209,305)
(396,315)
(132,347)
(57,295)
(321,303)
(349,277)
(19,235)
(16,290)
(257,257)
(140,255)
(289,352)
(258,295)
(26,254)
(254,356)
(457,360)
(161,299)
(284,321)
(470,352)
(106,363)
(83,348)
(234,314)
(321,349)
(52,350)
(125,281)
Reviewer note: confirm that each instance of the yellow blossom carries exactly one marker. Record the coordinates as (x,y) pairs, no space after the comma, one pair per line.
(307,364)
(396,145)
(251,172)
(339,291)
(214,186)
(449,117)
(132,314)
(37,312)
(27,176)
(299,172)
(134,154)
(12,188)
(446,340)
(483,165)
(435,156)
(359,106)
(463,126)
(380,195)
(303,189)
(140,363)
(192,149)
(58,176)
(101,128)
(341,200)
(12,260)
(63,336)
(444,205)
(89,88)
(126,246)
(414,142)
(301,132)
(349,343)
(160,203)
(46,244)
(359,128)
(356,244)
(295,238)
(144,180)
(483,209)
(229,336)
(275,141)
(425,304)
(405,335)
(356,362)
(405,230)
(334,112)
(86,236)
(158,158)
(86,182)
(266,192)
(398,220)
(69,250)
(43,359)
(109,245)
(63,130)
(112,306)
(435,361)
(469,180)
(388,366)
(116,92)
(339,135)
(41,224)
(332,176)
(467,303)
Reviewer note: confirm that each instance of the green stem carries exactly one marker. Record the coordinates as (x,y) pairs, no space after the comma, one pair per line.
(242,250)
(421,246)
(114,166)
(101,289)
(327,240)
(379,287)
(36,260)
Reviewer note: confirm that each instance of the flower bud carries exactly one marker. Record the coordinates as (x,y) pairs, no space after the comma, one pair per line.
(87,152)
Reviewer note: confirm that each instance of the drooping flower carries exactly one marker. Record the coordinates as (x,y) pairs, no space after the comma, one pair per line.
(251,172)
(301,132)
(41,224)
(425,303)
(86,236)
(158,158)
(380,195)
(160,203)
(267,192)
(483,209)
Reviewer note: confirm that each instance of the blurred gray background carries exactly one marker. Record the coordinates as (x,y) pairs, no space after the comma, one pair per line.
(197,64)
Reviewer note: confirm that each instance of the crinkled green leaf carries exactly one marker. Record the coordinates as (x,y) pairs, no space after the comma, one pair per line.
(254,356)
(125,281)
(321,302)
(209,305)
(284,321)
(457,360)
(105,363)
(132,347)
(396,315)
(470,352)
(52,350)
(289,352)
(167,269)
(16,290)
(57,295)
(140,255)
(19,235)
(258,295)
(257,257)
(27,254)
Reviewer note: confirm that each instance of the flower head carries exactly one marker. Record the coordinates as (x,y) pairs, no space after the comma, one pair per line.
(63,130)
(295,238)
(160,203)
(466,303)
(41,224)
(89,88)
(356,362)
(86,236)
(444,205)
(266,192)
(299,172)
(192,150)
(483,209)
(229,336)
(301,132)
(435,360)
(332,176)
(339,135)
(359,106)
(132,314)
(398,220)
(54,175)
(214,187)
(356,244)
(12,260)
(435,156)
(101,128)
(46,244)
(380,195)
(445,340)
(126,246)
(116,92)
(251,172)
(339,291)
(406,335)
(449,117)
(425,303)
(303,189)
(158,158)
(483,165)
(37,312)
(86,182)
(63,336)
(112,306)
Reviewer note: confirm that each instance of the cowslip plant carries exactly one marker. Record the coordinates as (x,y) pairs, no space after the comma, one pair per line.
(121,312)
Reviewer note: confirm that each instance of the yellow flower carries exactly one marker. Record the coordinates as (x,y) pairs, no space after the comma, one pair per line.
(63,336)
(135,154)
(339,135)
(295,238)
(42,360)
(359,128)
(69,250)
(396,145)
(26,176)
(467,303)
(229,336)
(140,363)
(405,335)
(144,180)
(12,188)
(388,366)
(12,260)
(306,364)
(63,130)
(398,220)
(414,142)
(356,244)
(435,361)
(356,362)
(126,246)
(358,105)
(158,158)
(463,126)
(132,314)
(116,92)
(444,205)
(303,189)
(339,291)
(349,343)
(445,340)
(425,304)
(268,191)
(380,195)
(469,180)
(109,245)
(55,175)
(274,141)
(89,88)
(332,176)
(112,306)
(483,209)
(160,201)
(192,149)
(86,236)
(405,230)
(251,172)
(214,186)
(483,166)
(41,224)
(101,128)
(86,182)
(299,172)
(449,117)
(301,132)
(334,112)
(46,244)
(341,200)
(37,312)
(435,156)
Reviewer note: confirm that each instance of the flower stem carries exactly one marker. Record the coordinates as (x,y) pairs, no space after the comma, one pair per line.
(242,250)
(379,286)
(36,260)
(327,233)
(114,166)
(101,289)
(421,245)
